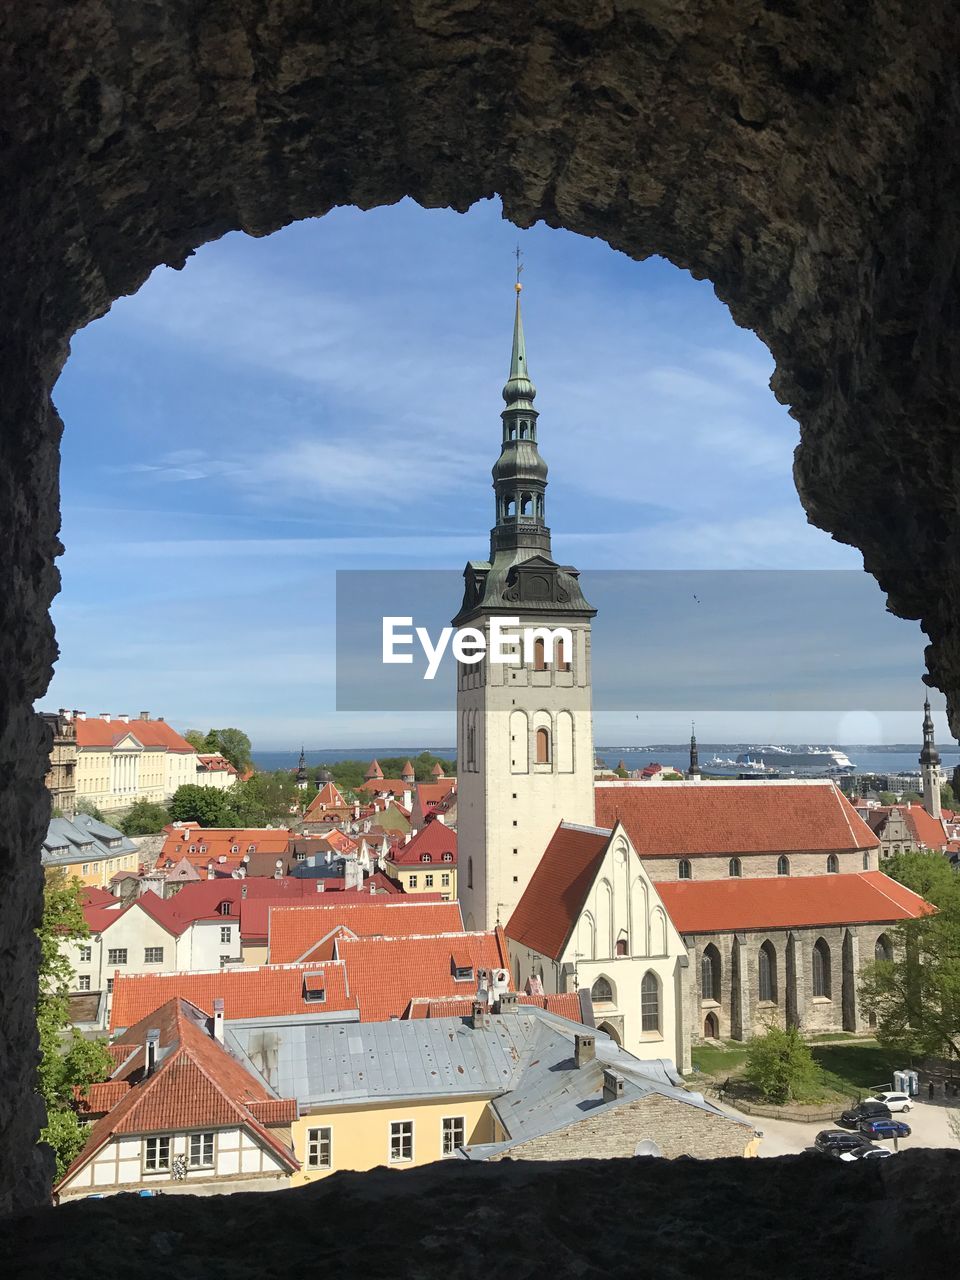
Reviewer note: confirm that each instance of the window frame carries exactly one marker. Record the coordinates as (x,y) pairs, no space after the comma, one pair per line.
(658,1008)
(226,934)
(313,1150)
(684,869)
(156,1166)
(113,952)
(783,865)
(767,969)
(83,982)
(152,959)
(448,1145)
(400,1131)
(201,1137)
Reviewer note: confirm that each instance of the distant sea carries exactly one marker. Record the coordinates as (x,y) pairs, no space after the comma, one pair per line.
(899,758)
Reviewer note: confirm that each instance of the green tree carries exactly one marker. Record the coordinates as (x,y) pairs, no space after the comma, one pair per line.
(144,818)
(915,991)
(233,744)
(673,777)
(265,799)
(88,807)
(911,797)
(887,797)
(67,1060)
(948,797)
(205,805)
(196,739)
(780,1064)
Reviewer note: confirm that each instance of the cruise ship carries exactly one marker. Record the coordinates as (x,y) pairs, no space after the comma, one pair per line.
(775,761)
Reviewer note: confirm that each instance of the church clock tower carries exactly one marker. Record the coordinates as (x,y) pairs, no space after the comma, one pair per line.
(524,732)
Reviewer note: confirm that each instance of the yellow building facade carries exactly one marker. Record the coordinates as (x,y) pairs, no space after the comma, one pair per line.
(424,878)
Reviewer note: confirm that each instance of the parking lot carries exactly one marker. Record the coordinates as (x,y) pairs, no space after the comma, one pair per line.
(928,1120)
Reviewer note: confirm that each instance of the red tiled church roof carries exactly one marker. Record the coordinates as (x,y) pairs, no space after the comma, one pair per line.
(784,902)
(676,819)
(294,932)
(553,900)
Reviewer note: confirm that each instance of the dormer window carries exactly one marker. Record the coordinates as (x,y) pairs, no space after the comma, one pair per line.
(314,989)
(447,857)
(203,848)
(192,849)
(224,908)
(463,972)
(426,857)
(251,848)
(234,848)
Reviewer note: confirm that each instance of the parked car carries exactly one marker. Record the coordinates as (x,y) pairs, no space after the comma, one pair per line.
(880,1128)
(866,1151)
(893,1101)
(852,1118)
(835,1142)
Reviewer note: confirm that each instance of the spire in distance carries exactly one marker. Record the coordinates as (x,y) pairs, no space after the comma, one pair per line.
(929,753)
(694,770)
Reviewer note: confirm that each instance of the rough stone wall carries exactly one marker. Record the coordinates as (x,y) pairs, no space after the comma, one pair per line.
(801,156)
(612,1133)
(707,867)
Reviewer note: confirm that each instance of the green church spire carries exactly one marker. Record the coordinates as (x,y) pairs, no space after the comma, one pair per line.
(519,392)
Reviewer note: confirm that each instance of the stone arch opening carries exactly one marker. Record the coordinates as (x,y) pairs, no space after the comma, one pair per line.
(280,123)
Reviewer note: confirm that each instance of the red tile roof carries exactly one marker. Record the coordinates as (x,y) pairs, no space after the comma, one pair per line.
(928,832)
(296,931)
(267,992)
(677,819)
(328,797)
(98,1099)
(565,1005)
(374,786)
(386,973)
(431,842)
(96,897)
(215,764)
(784,902)
(374,770)
(105,734)
(197,1084)
(553,900)
(210,844)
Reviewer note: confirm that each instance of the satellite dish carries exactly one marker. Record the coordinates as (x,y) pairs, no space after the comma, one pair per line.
(647,1147)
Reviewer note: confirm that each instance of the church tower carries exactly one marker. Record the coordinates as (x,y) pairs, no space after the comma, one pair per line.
(930,765)
(694,770)
(524,731)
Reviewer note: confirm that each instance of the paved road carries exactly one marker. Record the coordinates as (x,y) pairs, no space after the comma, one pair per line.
(928,1120)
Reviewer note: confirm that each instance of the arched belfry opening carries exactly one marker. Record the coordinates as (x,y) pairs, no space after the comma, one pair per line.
(135,144)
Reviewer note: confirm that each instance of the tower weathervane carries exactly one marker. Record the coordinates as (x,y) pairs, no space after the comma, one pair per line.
(518,285)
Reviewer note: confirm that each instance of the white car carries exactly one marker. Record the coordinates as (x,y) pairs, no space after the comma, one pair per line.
(866,1152)
(895,1101)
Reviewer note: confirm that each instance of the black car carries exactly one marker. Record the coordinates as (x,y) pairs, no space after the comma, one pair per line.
(836,1142)
(853,1118)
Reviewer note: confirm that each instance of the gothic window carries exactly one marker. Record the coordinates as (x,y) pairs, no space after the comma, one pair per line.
(512,431)
(539,655)
(710,973)
(767,973)
(683,869)
(866,861)
(509,508)
(735,867)
(543,746)
(883,950)
(783,865)
(526,504)
(650,1002)
(622,947)
(540,507)
(821,969)
(469,873)
(833,865)
(601,991)
(523,430)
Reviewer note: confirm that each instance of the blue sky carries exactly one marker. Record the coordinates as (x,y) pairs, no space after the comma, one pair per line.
(329,398)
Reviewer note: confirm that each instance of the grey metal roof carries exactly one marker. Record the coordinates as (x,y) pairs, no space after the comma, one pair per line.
(82,839)
(524,1061)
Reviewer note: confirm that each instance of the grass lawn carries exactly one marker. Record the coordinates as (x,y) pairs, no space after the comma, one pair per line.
(717,1062)
(849,1068)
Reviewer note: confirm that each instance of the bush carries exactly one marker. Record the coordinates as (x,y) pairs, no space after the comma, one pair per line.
(144,819)
(90,809)
(781,1066)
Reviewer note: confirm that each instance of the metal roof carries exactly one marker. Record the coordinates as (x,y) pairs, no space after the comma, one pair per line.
(82,839)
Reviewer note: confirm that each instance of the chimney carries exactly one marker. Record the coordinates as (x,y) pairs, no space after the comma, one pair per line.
(584,1050)
(243,891)
(612,1085)
(479,1015)
(218,1020)
(104,715)
(81,715)
(150,1052)
(144,715)
(160,719)
(124,717)
(507,1002)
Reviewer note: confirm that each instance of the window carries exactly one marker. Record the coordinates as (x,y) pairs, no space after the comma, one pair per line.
(251,848)
(83,982)
(445,880)
(650,1003)
(401,1141)
(234,848)
(821,969)
(85,868)
(735,867)
(866,861)
(320,1148)
(117,955)
(539,655)
(783,865)
(543,747)
(463,972)
(602,991)
(412,881)
(767,973)
(153,955)
(833,865)
(448,857)
(225,933)
(225,960)
(224,908)
(623,948)
(201,1150)
(453,1134)
(156,1154)
(203,848)
(710,973)
(109,986)
(882,948)
(86,955)
(683,869)
(428,881)
(469,873)
(426,857)
(192,849)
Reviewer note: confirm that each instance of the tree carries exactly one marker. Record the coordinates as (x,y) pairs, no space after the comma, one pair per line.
(88,807)
(673,777)
(67,1060)
(915,994)
(144,818)
(265,799)
(234,745)
(781,1066)
(205,805)
(196,739)
(948,797)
